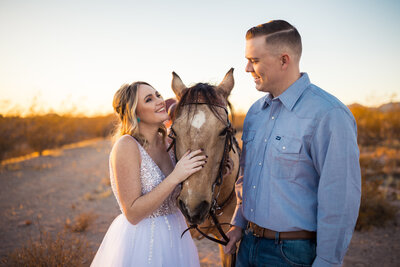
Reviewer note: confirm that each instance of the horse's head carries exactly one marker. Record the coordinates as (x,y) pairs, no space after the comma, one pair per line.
(201,121)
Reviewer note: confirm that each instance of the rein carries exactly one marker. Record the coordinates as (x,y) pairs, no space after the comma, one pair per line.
(230,142)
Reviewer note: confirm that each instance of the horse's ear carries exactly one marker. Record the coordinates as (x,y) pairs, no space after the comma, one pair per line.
(226,86)
(177,85)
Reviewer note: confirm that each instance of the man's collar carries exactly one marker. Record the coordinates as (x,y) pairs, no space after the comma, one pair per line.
(267,101)
(290,96)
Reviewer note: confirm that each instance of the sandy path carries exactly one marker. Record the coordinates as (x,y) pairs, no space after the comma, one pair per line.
(74,180)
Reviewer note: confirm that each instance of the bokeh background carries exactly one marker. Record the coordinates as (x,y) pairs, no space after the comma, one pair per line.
(62,61)
(73,55)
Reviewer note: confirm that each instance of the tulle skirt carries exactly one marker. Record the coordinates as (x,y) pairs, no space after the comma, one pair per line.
(152,242)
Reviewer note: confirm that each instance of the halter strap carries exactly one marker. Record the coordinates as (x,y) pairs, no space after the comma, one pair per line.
(230,142)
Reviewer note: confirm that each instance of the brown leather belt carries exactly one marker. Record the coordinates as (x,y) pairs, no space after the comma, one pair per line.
(259,231)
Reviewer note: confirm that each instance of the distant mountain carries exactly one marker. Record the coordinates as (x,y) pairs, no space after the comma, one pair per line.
(389,106)
(382,108)
(355,105)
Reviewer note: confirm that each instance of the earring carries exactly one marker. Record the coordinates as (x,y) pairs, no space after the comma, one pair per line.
(138,119)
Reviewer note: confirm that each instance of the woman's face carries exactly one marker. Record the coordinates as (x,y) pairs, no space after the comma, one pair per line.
(151,107)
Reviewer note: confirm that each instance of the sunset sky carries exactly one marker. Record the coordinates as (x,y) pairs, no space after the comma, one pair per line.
(74,55)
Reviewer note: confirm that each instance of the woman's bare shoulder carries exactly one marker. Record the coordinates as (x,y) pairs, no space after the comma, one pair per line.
(125,147)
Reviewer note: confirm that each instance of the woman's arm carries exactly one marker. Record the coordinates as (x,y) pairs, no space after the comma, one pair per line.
(125,161)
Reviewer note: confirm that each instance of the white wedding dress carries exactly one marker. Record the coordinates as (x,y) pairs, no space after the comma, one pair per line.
(154,241)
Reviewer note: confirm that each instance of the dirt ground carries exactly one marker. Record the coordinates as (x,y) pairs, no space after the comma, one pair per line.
(49,191)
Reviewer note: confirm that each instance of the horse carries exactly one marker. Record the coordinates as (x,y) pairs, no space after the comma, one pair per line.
(201,121)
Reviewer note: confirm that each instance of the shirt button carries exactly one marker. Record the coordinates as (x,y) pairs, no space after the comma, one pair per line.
(283,147)
(273,117)
(259,163)
(251,210)
(265,140)
(254,186)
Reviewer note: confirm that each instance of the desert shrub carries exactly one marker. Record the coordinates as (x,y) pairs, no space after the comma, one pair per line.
(61,250)
(11,133)
(369,124)
(380,163)
(376,126)
(81,222)
(43,132)
(375,210)
(21,135)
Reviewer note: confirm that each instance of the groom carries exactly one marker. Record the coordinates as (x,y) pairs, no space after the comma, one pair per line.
(301,183)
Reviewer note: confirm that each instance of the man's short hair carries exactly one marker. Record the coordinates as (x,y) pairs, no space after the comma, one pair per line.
(278,32)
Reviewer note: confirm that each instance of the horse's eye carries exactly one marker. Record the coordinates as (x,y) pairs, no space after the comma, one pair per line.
(224,131)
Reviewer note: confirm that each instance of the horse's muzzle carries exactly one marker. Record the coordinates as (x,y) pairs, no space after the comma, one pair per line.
(198,214)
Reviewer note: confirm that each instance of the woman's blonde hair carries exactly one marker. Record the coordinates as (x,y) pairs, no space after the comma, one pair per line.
(125,104)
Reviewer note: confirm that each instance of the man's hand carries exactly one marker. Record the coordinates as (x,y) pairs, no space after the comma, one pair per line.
(234,234)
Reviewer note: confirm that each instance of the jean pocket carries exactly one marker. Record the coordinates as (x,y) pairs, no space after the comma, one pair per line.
(286,156)
(298,252)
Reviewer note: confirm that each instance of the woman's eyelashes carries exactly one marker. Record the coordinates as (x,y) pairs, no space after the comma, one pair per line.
(148,99)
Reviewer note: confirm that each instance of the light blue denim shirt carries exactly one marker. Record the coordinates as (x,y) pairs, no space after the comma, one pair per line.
(301,168)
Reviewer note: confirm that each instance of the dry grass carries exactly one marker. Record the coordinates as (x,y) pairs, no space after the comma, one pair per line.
(106,181)
(100,193)
(60,250)
(380,162)
(376,126)
(24,135)
(375,210)
(81,222)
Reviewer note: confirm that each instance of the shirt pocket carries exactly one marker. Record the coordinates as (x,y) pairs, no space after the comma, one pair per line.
(286,156)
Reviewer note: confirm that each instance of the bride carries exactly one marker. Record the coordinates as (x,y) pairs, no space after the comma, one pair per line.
(145,183)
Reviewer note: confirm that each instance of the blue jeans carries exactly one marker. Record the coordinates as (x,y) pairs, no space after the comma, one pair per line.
(258,251)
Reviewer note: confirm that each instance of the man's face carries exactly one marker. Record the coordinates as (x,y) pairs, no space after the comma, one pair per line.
(263,64)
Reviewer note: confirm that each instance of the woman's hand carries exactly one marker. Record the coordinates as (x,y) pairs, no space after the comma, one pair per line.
(190,163)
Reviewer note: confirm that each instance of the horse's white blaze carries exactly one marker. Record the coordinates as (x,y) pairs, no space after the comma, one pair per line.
(189,192)
(199,119)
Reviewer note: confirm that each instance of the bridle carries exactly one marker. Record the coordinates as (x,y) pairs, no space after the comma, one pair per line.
(230,142)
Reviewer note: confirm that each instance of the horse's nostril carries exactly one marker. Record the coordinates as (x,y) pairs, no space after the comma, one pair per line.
(202,207)
(200,213)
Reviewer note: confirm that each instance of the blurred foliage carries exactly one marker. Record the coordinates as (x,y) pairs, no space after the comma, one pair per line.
(375,209)
(81,222)
(378,139)
(379,142)
(60,250)
(22,135)
(237,121)
(377,126)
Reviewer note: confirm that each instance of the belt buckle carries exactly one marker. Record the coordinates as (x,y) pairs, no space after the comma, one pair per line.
(255,232)
(256,235)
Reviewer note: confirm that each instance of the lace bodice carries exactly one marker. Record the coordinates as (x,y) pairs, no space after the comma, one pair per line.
(150,176)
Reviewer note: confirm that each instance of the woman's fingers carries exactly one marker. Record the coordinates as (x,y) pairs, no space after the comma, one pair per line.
(198,163)
(186,153)
(199,158)
(196,169)
(195,153)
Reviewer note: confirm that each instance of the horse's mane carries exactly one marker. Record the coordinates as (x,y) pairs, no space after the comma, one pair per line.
(203,93)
